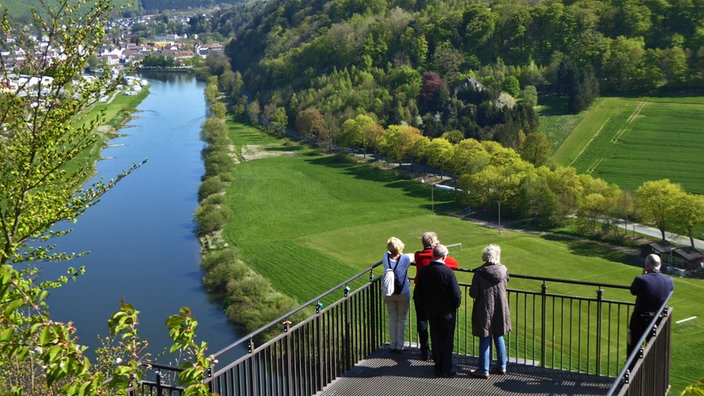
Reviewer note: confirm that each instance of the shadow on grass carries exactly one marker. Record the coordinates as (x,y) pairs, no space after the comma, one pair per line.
(446,202)
(284,149)
(442,201)
(588,248)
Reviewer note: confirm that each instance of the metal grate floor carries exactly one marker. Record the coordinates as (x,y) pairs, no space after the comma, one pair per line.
(385,373)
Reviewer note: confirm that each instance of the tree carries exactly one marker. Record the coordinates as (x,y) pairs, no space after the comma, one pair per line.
(566,184)
(624,208)
(689,212)
(439,153)
(695,389)
(593,208)
(361,131)
(536,149)
(280,121)
(399,142)
(253,112)
(310,123)
(40,138)
(657,202)
(539,201)
(529,94)
(42,170)
(433,90)
(468,156)
(511,85)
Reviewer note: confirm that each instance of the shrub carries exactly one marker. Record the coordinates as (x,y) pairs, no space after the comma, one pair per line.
(211,185)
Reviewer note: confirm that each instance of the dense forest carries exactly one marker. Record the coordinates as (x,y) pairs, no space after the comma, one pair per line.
(449,66)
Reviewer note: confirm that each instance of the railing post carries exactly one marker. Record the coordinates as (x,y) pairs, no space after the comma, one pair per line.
(158,382)
(543,324)
(321,351)
(599,305)
(348,331)
(289,358)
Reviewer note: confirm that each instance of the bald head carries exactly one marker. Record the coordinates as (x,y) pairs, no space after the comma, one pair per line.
(440,252)
(652,261)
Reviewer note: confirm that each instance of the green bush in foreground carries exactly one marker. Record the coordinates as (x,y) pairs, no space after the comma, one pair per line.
(43,167)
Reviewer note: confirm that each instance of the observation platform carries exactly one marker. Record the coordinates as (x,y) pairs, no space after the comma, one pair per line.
(404,374)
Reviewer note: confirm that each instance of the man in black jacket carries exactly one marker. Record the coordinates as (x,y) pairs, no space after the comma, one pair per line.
(651,290)
(439,294)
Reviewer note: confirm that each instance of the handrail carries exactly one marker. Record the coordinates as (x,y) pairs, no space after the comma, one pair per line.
(282,318)
(623,377)
(568,281)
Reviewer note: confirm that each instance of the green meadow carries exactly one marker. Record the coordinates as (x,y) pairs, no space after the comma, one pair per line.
(307,222)
(628,141)
(114,113)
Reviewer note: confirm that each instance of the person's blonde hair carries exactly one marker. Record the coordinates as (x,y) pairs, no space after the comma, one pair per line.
(394,245)
(492,254)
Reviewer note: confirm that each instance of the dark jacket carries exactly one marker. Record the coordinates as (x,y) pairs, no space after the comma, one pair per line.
(490,313)
(651,291)
(437,289)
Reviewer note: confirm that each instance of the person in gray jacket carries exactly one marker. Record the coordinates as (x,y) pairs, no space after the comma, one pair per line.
(490,313)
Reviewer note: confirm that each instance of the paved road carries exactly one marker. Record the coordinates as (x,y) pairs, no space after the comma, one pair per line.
(655,233)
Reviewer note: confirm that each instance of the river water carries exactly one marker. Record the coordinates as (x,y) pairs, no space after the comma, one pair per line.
(141,234)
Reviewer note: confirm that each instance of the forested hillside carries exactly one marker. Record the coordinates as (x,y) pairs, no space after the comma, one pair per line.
(415,62)
(438,83)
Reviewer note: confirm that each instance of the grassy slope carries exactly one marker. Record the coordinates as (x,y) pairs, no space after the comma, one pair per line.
(307,223)
(115,113)
(629,141)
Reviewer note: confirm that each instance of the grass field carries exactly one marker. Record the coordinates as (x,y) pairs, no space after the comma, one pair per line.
(115,113)
(307,222)
(628,141)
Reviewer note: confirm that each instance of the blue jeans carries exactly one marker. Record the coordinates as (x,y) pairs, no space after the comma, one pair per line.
(485,353)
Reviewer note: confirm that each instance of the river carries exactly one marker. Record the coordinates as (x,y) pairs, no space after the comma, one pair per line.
(141,234)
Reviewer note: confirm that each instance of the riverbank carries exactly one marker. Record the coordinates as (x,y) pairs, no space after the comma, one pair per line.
(116,112)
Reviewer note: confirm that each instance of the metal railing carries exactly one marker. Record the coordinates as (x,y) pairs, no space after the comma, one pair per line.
(161,385)
(308,355)
(557,324)
(647,370)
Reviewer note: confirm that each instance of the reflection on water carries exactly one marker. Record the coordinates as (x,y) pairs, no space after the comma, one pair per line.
(141,235)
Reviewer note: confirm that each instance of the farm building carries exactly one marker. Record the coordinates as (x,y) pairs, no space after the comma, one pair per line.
(677,261)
